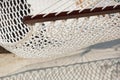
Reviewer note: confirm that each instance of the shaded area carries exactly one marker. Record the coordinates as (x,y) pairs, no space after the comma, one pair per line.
(105,45)
(2,50)
(115,44)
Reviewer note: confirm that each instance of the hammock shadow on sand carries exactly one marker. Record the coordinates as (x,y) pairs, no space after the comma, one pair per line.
(115,44)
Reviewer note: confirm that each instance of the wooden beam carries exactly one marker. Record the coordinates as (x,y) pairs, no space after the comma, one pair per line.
(74,14)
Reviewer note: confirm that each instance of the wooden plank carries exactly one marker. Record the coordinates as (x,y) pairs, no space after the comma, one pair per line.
(74,14)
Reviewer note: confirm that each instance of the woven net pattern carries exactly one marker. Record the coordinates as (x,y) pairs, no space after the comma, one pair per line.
(108,69)
(53,38)
(12,28)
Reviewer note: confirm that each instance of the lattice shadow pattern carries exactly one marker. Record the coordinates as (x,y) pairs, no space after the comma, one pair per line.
(108,69)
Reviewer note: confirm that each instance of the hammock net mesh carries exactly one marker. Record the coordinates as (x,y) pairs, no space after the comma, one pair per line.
(59,38)
(54,38)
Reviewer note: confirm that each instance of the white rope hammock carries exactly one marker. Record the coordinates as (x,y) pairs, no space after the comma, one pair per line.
(54,38)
